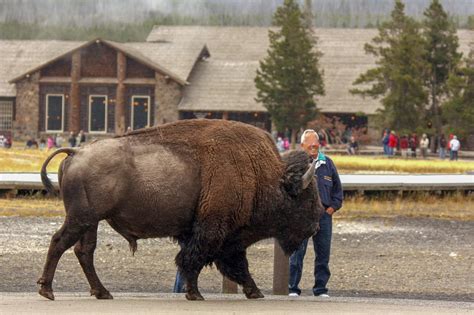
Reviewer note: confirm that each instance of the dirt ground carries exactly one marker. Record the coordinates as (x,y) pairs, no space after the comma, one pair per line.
(379,257)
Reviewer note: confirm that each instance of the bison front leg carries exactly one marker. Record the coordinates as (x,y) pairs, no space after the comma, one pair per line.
(190,263)
(234,265)
(84,251)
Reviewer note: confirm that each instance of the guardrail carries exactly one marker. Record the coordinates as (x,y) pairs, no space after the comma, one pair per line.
(350,182)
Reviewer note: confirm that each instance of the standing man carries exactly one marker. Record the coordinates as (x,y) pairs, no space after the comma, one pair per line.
(330,192)
(455,145)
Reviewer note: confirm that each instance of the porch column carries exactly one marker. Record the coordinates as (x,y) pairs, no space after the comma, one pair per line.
(75,101)
(120,96)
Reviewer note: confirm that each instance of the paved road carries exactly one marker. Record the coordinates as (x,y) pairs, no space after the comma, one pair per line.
(134,303)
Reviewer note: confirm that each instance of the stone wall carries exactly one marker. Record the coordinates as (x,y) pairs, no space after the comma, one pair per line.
(168,94)
(27,108)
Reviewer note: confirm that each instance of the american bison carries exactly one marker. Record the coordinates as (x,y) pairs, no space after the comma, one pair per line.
(215,186)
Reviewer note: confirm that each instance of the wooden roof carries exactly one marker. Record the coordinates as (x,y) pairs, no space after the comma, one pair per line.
(225,81)
(23,57)
(19,56)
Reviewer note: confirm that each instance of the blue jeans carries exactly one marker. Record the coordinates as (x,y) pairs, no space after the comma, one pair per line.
(442,153)
(322,249)
(179,282)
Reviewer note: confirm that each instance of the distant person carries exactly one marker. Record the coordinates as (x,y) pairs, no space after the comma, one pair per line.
(42,143)
(280,144)
(81,138)
(59,140)
(31,143)
(50,142)
(424,145)
(385,138)
(352,146)
(455,146)
(404,145)
(323,140)
(442,147)
(286,144)
(392,143)
(72,139)
(413,142)
(8,142)
(449,146)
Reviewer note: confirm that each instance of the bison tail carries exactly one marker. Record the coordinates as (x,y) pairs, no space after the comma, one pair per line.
(44,175)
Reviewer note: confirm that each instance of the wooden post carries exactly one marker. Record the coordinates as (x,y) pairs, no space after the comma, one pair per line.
(120,94)
(281,270)
(228,286)
(75,101)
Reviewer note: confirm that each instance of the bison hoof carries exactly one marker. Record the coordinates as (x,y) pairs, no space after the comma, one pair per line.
(254,294)
(102,295)
(47,293)
(194,296)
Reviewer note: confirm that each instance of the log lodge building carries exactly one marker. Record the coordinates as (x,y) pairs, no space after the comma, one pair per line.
(180,72)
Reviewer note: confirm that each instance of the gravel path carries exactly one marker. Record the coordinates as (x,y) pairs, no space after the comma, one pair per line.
(380,257)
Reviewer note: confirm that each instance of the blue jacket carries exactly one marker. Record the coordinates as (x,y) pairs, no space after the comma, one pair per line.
(329,184)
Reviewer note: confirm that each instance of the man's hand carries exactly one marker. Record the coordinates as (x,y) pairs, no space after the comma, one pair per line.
(330,210)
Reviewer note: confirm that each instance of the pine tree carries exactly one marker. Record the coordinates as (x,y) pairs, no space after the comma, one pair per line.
(458,112)
(288,78)
(441,45)
(399,76)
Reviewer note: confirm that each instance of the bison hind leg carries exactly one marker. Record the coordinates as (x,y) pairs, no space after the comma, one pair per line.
(62,240)
(84,250)
(233,264)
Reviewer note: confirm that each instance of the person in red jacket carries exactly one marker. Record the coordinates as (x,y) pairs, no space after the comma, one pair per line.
(392,143)
(404,146)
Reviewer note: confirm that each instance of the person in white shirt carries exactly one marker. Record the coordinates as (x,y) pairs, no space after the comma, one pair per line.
(455,145)
(424,144)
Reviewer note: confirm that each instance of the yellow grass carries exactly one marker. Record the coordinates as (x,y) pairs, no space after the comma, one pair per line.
(21,160)
(31,206)
(367,164)
(453,207)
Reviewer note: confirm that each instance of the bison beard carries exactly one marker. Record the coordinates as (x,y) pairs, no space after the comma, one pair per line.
(216,186)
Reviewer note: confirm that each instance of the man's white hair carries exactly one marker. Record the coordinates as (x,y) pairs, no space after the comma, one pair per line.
(306,132)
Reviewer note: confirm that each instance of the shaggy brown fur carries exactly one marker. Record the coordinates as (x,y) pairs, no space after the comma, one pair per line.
(217,186)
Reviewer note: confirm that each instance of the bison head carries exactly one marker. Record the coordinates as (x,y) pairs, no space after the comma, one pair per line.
(303,207)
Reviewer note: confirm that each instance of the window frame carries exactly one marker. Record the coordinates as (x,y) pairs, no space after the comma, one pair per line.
(62,113)
(106,113)
(132,111)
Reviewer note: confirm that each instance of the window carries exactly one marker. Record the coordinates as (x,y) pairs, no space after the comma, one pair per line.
(98,113)
(54,112)
(6,115)
(140,112)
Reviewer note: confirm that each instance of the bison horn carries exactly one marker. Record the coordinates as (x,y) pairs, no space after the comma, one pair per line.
(308,176)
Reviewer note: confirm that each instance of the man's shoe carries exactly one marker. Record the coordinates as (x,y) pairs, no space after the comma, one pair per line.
(293,294)
(323,295)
